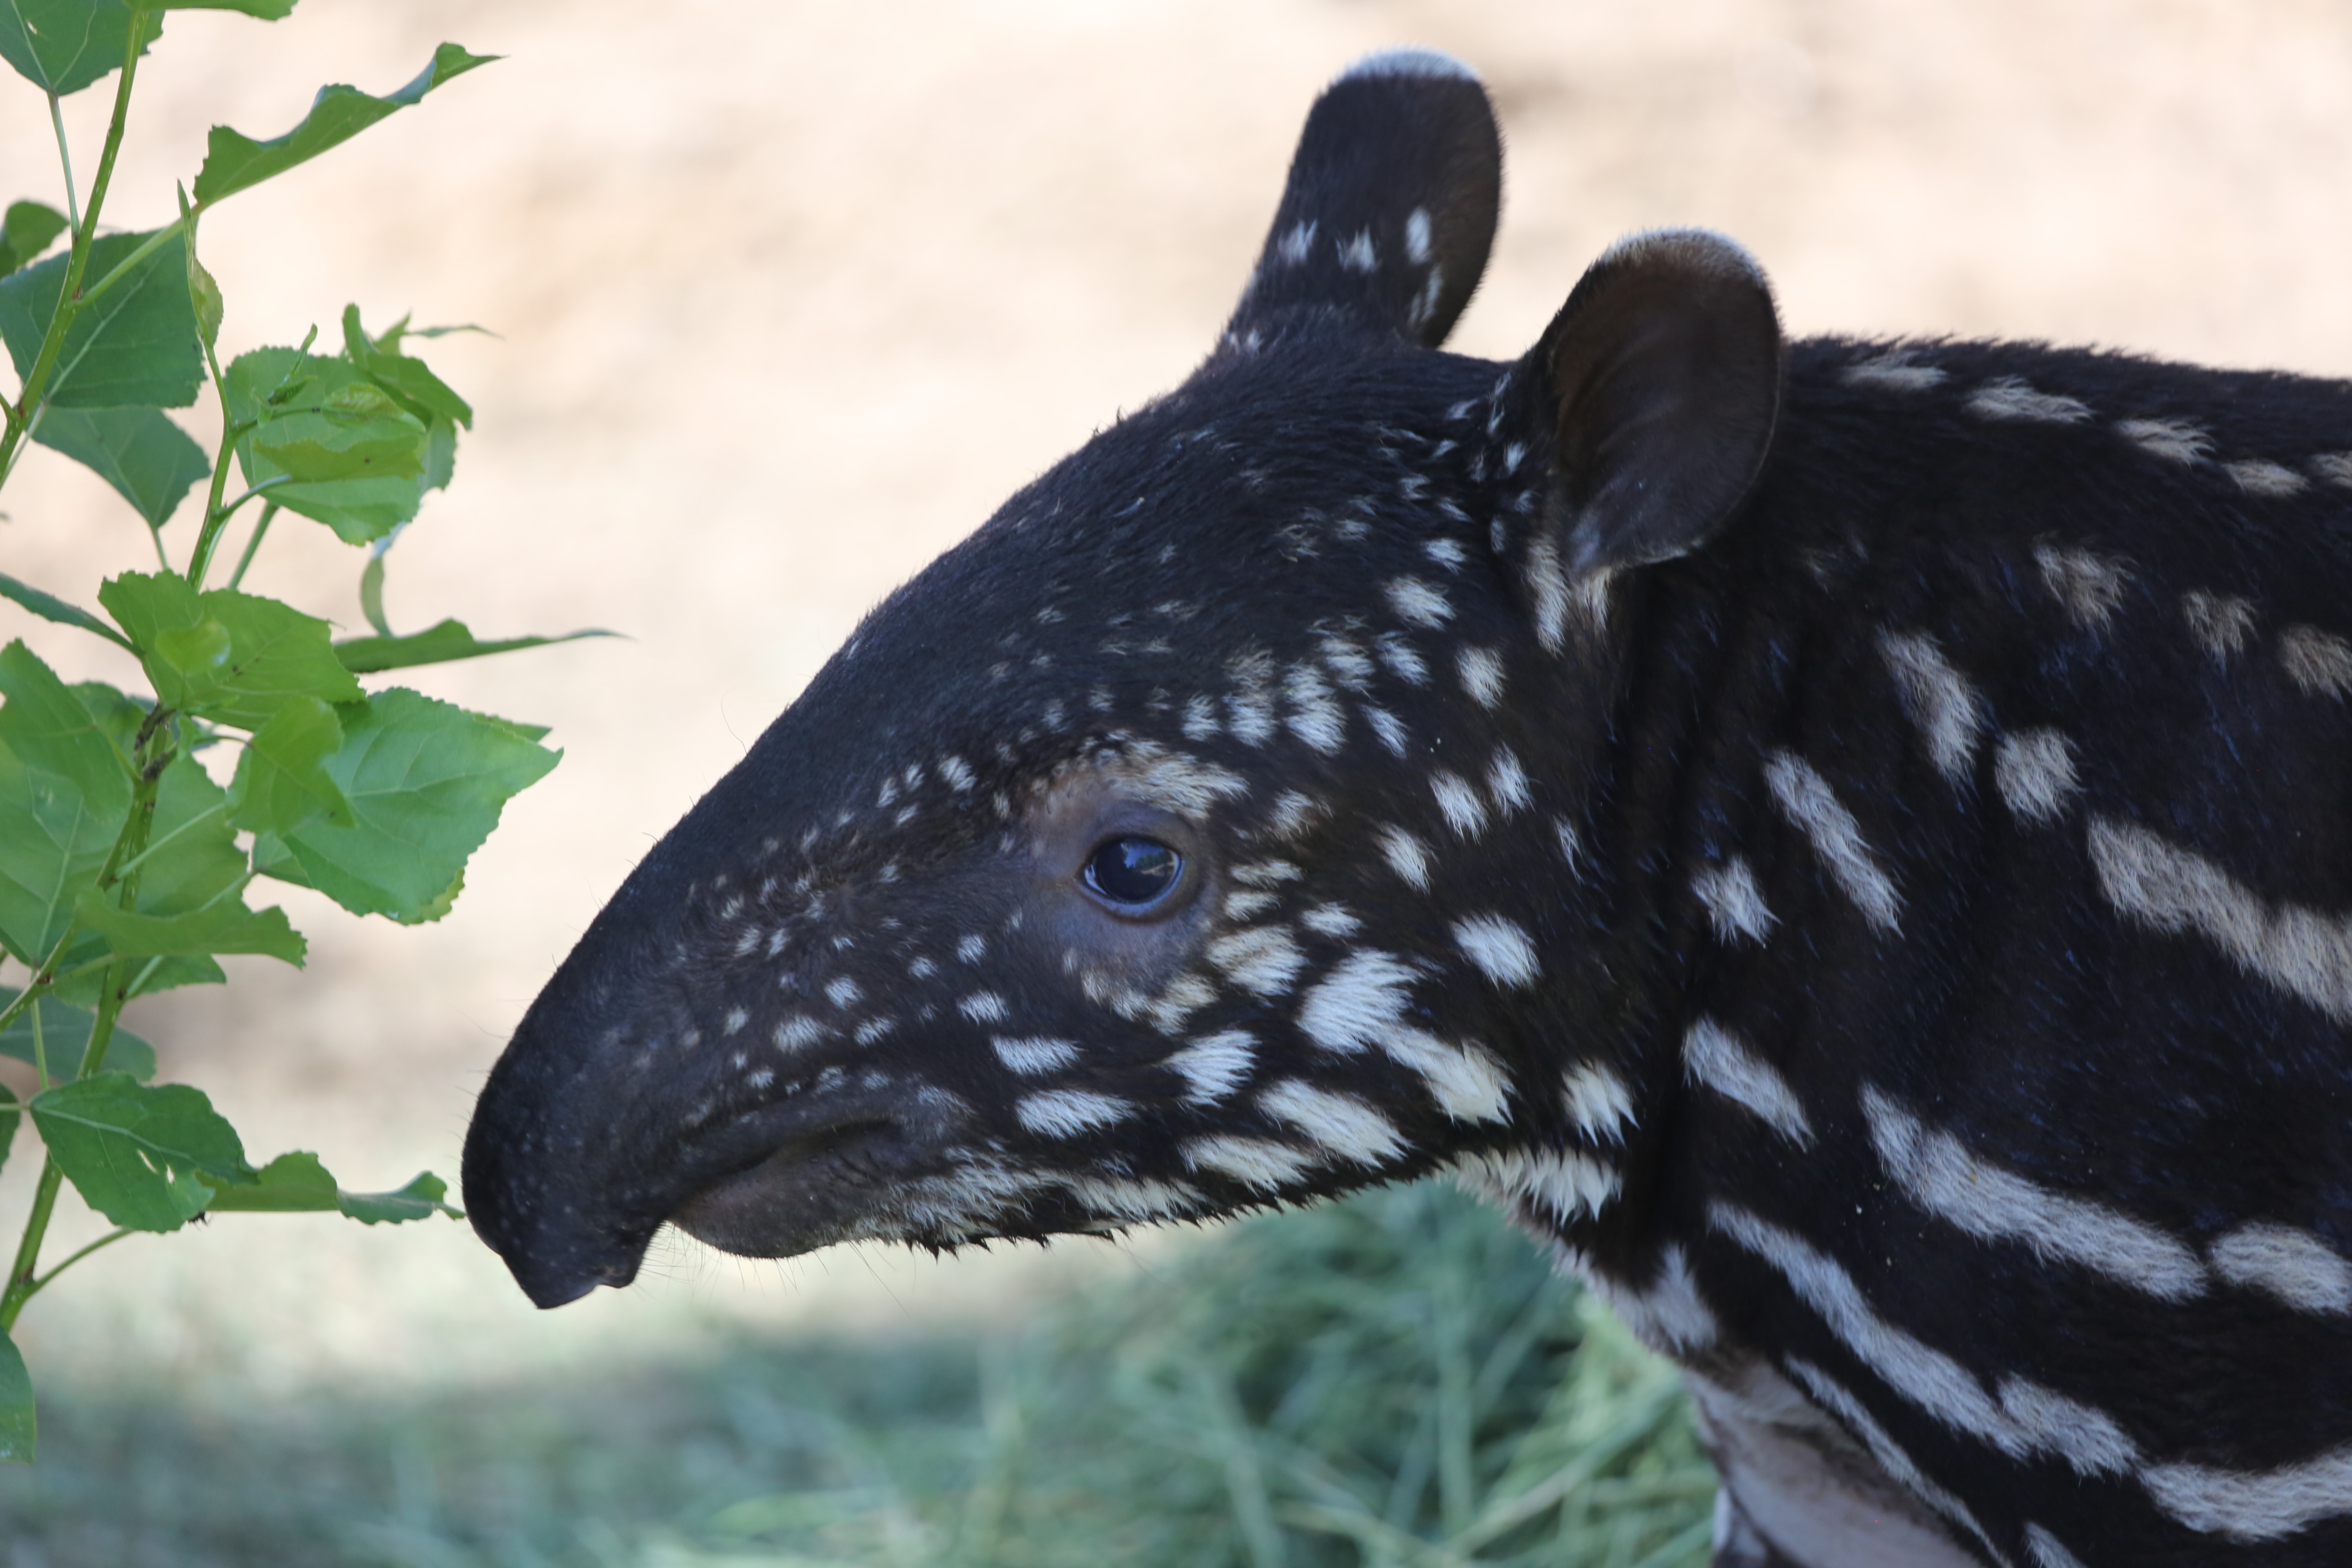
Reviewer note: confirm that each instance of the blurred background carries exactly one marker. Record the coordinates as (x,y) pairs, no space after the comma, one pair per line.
(787,296)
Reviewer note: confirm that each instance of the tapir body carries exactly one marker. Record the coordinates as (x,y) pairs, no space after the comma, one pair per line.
(1851,841)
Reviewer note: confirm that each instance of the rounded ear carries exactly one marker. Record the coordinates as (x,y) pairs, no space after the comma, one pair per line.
(1388,212)
(1660,379)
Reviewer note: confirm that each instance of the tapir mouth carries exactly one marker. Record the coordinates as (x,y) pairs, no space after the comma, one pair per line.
(819,1186)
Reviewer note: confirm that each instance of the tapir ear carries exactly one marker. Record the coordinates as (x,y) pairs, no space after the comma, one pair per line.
(1388,212)
(1661,379)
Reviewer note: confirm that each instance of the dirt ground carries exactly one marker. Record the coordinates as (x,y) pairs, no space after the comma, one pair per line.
(788,295)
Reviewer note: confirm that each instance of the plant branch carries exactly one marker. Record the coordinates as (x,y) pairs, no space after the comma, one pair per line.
(65,156)
(107,1240)
(252,545)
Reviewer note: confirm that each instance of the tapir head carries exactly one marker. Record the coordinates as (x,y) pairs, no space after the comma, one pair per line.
(1205,830)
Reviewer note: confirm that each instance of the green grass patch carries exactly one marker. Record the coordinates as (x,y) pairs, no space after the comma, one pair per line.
(1397,1380)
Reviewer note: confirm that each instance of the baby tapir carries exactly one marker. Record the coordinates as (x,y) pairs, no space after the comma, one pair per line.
(1851,841)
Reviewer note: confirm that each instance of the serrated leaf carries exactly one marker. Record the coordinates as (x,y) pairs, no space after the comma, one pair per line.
(323,451)
(45,723)
(63,45)
(281,780)
(235,163)
(133,346)
(148,459)
(52,843)
(26,231)
(422,393)
(426,781)
(17,1423)
(65,1035)
(420,1199)
(438,645)
(49,607)
(291,1184)
(135,1151)
(231,657)
(226,927)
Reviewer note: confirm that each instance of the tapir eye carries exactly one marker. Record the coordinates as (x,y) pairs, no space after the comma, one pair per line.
(1132,872)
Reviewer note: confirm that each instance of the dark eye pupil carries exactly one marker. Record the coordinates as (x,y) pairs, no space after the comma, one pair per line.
(1133,870)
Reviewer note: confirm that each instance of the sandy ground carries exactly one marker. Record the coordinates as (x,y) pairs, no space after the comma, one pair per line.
(790,295)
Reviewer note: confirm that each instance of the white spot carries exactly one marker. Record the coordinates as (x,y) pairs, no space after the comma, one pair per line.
(1292,814)
(1356,254)
(2258,478)
(1388,727)
(985,1007)
(2334,467)
(1347,662)
(1559,1185)
(1467,1084)
(2046,1550)
(1669,1315)
(1937,1172)
(1548,591)
(2090,586)
(1714,1057)
(1458,802)
(2220,622)
(1446,552)
(1598,1102)
(798,1031)
(1200,718)
(1735,904)
(973,948)
(1314,717)
(1809,802)
(1893,371)
(1507,782)
(1340,1122)
(736,1018)
(1245,906)
(760,1080)
(1418,604)
(2174,440)
(2173,890)
(922,969)
(1297,244)
(1570,846)
(1033,1054)
(1178,1000)
(1215,1065)
(2035,771)
(1482,675)
(1938,698)
(874,1029)
(844,992)
(2292,1265)
(1407,856)
(1125,1197)
(2256,1505)
(1360,999)
(1261,959)
(1402,658)
(2318,662)
(1253,1162)
(2008,397)
(1500,948)
(1332,921)
(1266,873)
(958,772)
(1416,236)
(1067,1112)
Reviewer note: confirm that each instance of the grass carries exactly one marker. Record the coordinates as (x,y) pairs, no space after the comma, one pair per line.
(1397,1380)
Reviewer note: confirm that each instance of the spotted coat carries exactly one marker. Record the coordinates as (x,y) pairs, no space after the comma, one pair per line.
(1852,842)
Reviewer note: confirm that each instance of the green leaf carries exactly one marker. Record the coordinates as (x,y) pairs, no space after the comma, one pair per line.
(45,723)
(226,927)
(65,1035)
(148,459)
(192,856)
(371,594)
(291,1184)
(54,842)
(204,300)
(63,45)
(263,10)
(439,645)
(133,346)
(27,230)
(49,607)
(234,163)
(16,1404)
(135,1150)
(331,444)
(420,1199)
(224,654)
(422,393)
(425,781)
(281,781)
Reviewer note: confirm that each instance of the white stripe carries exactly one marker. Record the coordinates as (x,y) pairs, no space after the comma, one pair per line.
(1937,698)
(1033,1054)
(2256,1505)
(1253,1162)
(1669,1315)
(1887,1451)
(2046,1551)
(1937,1172)
(1714,1057)
(1340,1122)
(2292,1265)
(1067,1112)
(2008,397)
(2173,890)
(1806,797)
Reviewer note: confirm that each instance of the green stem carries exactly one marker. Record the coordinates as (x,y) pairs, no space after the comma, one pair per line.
(40,1050)
(65,157)
(69,298)
(197,821)
(269,511)
(21,1281)
(215,515)
(108,1239)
